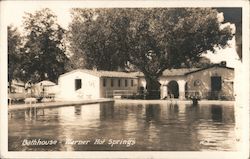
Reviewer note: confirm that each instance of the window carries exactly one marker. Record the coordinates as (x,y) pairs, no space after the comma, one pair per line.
(132,83)
(112,82)
(78,84)
(104,82)
(126,83)
(119,83)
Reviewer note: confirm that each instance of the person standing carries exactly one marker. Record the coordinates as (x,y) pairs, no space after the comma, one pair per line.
(42,89)
(28,88)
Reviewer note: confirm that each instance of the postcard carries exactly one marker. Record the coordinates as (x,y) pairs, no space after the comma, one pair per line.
(124,79)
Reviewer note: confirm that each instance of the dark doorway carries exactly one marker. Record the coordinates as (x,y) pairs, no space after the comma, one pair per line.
(216,83)
(173,89)
(215,86)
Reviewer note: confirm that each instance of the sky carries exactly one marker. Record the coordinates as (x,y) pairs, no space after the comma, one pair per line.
(13,13)
(16,11)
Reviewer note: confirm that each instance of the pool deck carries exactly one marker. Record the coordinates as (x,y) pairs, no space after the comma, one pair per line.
(57,104)
(94,101)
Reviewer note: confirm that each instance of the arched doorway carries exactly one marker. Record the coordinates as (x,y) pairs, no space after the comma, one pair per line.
(173,89)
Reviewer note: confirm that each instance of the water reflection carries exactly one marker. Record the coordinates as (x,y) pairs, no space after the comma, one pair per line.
(153,112)
(154,127)
(28,114)
(216,111)
(78,110)
(107,111)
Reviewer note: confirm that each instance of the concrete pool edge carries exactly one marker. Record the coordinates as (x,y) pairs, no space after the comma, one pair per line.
(173,101)
(94,101)
(57,104)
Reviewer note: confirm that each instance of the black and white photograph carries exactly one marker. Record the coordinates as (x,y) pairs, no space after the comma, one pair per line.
(124,79)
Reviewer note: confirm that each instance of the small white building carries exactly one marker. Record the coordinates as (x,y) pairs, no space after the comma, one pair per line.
(92,84)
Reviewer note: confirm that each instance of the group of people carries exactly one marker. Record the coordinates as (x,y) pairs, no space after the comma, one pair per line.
(34,90)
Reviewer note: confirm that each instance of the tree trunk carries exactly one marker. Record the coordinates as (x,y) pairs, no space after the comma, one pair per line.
(153,87)
(10,83)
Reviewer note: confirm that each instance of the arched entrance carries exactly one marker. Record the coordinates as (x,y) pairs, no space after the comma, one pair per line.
(173,89)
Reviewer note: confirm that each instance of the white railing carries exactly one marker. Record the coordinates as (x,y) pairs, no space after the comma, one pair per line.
(119,93)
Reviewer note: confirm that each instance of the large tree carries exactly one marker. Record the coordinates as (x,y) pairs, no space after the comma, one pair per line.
(14,53)
(44,56)
(98,37)
(152,39)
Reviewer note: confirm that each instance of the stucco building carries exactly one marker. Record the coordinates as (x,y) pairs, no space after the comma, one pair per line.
(89,84)
(213,82)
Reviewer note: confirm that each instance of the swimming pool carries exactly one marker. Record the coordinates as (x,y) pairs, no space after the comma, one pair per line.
(124,127)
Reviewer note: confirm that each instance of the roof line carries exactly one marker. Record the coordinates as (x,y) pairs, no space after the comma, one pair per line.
(215,65)
(138,75)
(91,72)
(69,72)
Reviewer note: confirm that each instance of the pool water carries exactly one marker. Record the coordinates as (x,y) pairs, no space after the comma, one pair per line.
(124,127)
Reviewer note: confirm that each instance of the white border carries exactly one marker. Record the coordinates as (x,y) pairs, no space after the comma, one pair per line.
(244,153)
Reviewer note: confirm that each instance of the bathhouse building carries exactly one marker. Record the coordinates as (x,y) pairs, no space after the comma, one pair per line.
(91,84)
(213,82)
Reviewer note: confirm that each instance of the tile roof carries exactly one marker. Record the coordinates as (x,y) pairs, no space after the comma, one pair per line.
(178,72)
(101,73)
(183,71)
(167,72)
(215,65)
(172,72)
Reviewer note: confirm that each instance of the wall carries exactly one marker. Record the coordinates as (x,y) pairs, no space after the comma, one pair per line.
(227,77)
(109,90)
(89,90)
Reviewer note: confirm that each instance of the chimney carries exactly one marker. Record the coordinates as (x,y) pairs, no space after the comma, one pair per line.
(223,63)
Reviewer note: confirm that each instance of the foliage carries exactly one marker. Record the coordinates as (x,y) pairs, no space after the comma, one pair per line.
(234,15)
(14,53)
(44,56)
(99,37)
(203,62)
(152,39)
